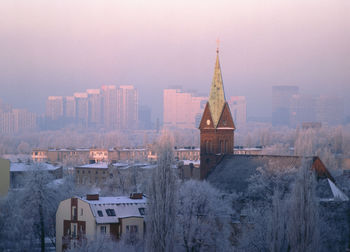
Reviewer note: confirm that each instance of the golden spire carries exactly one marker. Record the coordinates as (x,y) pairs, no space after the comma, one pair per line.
(217,95)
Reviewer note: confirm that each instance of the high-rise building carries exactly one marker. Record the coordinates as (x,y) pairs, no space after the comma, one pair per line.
(128,105)
(238,106)
(54,107)
(70,108)
(95,107)
(329,110)
(145,117)
(302,109)
(82,108)
(16,120)
(181,109)
(109,106)
(281,103)
(23,120)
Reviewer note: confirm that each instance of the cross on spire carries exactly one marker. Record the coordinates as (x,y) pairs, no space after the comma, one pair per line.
(217,45)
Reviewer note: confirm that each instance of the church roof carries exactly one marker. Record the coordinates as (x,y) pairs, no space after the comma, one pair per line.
(217,95)
(234,172)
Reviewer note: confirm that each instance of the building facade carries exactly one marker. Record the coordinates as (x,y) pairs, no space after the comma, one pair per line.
(281,103)
(85,219)
(180,109)
(238,107)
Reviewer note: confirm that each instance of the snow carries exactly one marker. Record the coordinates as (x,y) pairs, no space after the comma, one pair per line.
(20,167)
(337,193)
(102,165)
(194,162)
(123,207)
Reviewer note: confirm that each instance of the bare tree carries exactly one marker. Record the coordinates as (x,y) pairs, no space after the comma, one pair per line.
(203,218)
(160,218)
(303,224)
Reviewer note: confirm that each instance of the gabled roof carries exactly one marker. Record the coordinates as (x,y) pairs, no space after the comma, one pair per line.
(233,173)
(123,207)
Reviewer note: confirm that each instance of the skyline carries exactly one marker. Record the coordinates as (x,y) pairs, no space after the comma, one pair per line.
(58,48)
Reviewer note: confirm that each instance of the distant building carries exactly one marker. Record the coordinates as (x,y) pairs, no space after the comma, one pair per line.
(84,219)
(238,107)
(330,110)
(39,155)
(302,109)
(94,108)
(128,105)
(109,105)
(281,103)
(70,108)
(181,109)
(54,107)
(93,174)
(19,171)
(145,117)
(4,177)
(16,120)
(82,109)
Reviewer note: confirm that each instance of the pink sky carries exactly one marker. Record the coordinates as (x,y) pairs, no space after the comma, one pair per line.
(61,47)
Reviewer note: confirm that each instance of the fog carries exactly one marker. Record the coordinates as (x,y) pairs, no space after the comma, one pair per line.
(61,47)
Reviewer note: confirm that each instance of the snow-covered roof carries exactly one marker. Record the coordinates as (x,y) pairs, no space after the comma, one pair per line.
(194,162)
(101,165)
(337,193)
(20,167)
(233,173)
(111,209)
(184,149)
(121,165)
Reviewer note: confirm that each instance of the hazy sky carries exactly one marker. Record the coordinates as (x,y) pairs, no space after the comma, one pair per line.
(60,47)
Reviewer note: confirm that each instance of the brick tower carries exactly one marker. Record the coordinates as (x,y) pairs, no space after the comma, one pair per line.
(216,127)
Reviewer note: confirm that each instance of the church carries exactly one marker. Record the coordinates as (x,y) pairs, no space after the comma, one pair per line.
(232,172)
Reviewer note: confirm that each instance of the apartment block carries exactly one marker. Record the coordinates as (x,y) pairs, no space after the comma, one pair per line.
(238,107)
(89,218)
(181,109)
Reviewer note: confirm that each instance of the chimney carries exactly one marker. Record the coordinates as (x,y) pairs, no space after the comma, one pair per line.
(92,197)
(136,195)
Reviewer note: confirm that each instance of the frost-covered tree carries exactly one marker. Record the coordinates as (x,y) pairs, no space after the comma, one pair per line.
(161,212)
(265,227)
(303,214)
(203,218)
(31,211)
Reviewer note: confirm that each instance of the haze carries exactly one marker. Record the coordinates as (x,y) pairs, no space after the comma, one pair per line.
(61,47)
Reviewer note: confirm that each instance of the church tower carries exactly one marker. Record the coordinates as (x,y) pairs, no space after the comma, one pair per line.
(216,127)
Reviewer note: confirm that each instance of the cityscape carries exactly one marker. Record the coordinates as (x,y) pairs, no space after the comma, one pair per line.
(117,108)
(125,127)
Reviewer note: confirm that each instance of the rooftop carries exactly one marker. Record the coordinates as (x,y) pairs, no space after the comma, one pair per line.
(20,167)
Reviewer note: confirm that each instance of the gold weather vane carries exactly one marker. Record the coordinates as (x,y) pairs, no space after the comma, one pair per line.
(217,44)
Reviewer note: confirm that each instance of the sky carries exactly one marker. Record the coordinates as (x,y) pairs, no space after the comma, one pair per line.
(61,47)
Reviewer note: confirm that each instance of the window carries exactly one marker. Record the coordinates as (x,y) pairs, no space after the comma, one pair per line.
(99,212)
(110,212)
(74,228)
(81,212)
(103,229)
(83,171)
(111,175)
(142,210)
(78,171)
(132,229)
(74,213)
(96,172)
(89,172)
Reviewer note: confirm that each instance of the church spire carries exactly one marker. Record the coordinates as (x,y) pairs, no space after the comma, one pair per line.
(217,95)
